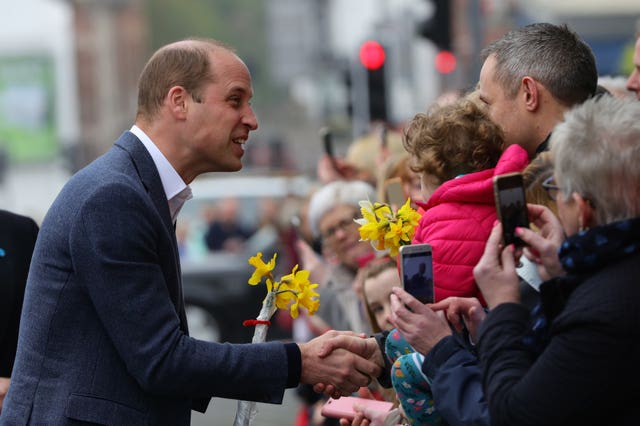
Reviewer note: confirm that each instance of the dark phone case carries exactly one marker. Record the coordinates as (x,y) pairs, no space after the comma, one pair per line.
(511,206)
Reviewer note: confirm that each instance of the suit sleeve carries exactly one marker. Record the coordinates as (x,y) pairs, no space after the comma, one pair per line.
(122,251)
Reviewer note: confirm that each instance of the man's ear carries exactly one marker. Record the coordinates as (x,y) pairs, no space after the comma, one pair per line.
(531,93)
(586,212)
(178,98)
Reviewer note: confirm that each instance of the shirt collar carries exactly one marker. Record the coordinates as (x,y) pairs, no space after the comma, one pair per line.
(176,191)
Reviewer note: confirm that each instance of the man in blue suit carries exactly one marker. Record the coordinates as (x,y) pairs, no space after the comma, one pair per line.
(103,337)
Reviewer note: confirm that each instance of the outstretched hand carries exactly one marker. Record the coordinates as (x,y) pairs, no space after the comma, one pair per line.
(338,363)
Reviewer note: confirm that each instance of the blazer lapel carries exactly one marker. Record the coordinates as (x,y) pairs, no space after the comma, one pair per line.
(150,178)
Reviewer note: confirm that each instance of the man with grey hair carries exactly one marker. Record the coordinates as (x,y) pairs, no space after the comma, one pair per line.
(591,253)
(531,76)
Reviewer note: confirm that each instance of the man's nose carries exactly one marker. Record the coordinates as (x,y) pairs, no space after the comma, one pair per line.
(250,120)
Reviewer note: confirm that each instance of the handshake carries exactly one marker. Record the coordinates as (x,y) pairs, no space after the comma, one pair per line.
(338,363)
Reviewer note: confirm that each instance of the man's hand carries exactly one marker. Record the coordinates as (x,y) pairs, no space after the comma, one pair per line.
(461,312)
(419,325)
(4,388)
(338,363)
(495,273)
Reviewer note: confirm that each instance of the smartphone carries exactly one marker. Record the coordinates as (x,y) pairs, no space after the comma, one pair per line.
(511,206)
(394,192)
(342,408)
(327,145)
(416,271)
(327,141)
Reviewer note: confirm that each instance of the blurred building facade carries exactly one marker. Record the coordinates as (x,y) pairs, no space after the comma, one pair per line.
(73,66)
(111,49)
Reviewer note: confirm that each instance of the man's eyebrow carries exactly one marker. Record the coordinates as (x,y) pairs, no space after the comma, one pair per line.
(239,90)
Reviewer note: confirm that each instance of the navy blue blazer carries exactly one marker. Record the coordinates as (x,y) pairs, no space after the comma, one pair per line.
(103,336)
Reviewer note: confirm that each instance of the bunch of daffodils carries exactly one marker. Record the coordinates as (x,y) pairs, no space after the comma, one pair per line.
(291,292)
(386,229)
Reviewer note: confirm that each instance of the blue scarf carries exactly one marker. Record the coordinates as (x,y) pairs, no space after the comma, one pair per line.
(590,250)
(581,255)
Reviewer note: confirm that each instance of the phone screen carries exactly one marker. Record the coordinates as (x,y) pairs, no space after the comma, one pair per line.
(511,206)
(417,271)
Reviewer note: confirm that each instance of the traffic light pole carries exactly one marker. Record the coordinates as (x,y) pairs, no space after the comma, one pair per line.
(359,99)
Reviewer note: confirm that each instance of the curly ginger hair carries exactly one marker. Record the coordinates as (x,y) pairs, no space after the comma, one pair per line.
(453,140)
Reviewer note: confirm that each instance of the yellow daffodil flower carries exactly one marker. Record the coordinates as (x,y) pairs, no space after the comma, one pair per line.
(293,290)
(393,237)
(409,215)
(386,229)
(262,269)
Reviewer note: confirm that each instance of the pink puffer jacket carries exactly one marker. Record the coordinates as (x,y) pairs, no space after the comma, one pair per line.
(457,221)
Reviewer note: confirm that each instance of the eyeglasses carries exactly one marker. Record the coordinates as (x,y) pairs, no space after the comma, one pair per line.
(330,233)
(550,186)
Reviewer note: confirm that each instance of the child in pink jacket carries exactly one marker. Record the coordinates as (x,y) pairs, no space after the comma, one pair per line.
(457,150)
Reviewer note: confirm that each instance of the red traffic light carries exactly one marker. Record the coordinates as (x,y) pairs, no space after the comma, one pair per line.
(445,62)
(372,55)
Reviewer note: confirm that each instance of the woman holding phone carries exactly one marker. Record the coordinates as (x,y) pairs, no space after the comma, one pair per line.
(585,370)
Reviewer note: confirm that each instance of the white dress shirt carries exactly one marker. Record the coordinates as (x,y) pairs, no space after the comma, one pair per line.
(175,189)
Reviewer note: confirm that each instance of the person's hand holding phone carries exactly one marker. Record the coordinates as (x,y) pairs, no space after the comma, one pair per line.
(368,416)
(422,327)
(542,246)
(495,272)
(511,206)
(348,408)
(330,169)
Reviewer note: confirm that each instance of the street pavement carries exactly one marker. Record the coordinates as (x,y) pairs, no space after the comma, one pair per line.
(222,412)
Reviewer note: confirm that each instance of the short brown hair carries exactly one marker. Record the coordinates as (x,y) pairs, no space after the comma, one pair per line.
(184,63)
(552,54)
(452,140)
